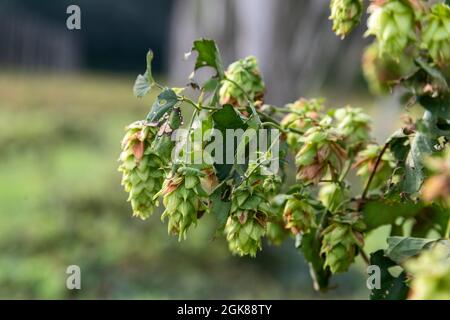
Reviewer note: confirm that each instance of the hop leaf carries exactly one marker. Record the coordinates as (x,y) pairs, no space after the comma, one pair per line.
(436,33)
(392,22)
(346,15)
(341,240)
(246,74)
(142,169)
(183,200)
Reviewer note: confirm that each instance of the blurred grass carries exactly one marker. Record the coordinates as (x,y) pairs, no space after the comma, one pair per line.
(61,203)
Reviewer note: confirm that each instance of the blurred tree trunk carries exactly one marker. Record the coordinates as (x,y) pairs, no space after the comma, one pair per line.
(292,39)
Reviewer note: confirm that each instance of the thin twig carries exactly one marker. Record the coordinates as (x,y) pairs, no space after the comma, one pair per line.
(365,257)
(372,174)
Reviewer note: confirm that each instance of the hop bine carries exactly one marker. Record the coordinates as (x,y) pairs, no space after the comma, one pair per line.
(142,169)
(321,152)
(436,33)
(184,199)
(246,74)
(346,15)
(341,241)
(249,214)
(392,22)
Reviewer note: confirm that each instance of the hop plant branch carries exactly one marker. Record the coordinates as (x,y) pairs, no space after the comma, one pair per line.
(377,163)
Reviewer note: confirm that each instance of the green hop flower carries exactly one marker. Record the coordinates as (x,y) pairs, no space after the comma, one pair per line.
(300,213)
(341,241)
(142,169)
(431,274)
(365,163)
(249,214)
(382,73)
(183,200)
(321,152)
(346,15)
(246,74)
(353,124)
(304,115)
(333,195)
(436,33)
(392,22)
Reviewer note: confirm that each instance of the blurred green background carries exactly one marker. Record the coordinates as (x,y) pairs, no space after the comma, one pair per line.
(61,202)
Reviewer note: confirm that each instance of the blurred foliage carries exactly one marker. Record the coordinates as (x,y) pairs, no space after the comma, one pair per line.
(61,203)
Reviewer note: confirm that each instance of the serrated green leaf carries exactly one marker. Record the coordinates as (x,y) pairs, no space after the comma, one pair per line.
(402,248)
(421,146)
(144,82)
(208,55)
(164,104)
(431,218)
(433,72)
(384,212)
(440,106)
(392,288)
(219,207)
(398,145)
(228,118)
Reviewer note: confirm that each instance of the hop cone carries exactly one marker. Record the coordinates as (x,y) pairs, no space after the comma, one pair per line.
(436,33)
(437,186)
(299,214)
(333,195)
(431,274)
(366,160)
(382,73)
(142,173)
(246,74)
(249,214)
(321,150)
(304,114)
(183,200)
(353,124)
(340,243)
(392,22)
(346,15)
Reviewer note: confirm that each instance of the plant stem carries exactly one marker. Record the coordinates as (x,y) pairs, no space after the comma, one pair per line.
(447,232)
(240,88)
(196,106)
(372,174)
(365,257)
(192,103)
